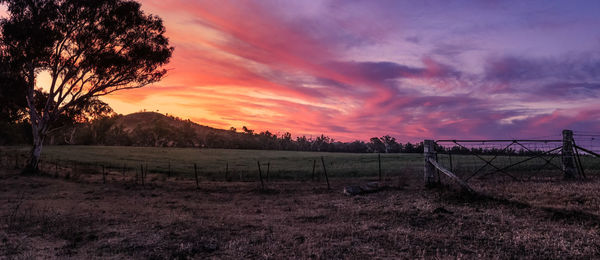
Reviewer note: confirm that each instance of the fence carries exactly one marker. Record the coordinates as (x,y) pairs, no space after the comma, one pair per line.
(110,164)
(514,159)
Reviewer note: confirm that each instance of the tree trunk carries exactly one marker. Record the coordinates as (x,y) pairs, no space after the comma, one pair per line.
(71,136)
(38,126)
(36,151)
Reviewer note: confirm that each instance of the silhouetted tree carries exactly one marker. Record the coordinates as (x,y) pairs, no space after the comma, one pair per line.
(390,144)
(376,145)
(247,131)
(286,142)
(89,48)
(321,144)
(358,147)
(303,143)
(12,89)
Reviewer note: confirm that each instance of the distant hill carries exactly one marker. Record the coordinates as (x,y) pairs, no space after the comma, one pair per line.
(150,119)
(155,129)
(143,129)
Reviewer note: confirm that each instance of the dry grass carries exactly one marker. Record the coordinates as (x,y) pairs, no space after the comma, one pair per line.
(48,217)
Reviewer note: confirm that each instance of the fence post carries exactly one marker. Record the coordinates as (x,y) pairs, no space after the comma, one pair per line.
(429,153)
(325,172)
(568,159)
(262,183)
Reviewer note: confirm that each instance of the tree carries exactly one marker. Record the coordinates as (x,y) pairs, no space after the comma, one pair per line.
(358,147)
(376,145)
(247,130)
(321,144)
(89,48)
(303,143)
(12,99)
(390,144)
(84,114)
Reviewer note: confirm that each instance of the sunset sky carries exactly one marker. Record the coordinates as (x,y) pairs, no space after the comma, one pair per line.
(357,69)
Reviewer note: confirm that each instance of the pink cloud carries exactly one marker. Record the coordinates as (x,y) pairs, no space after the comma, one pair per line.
(246,63)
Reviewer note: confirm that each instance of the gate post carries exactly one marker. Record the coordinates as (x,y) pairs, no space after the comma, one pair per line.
(568,159)
(429,154)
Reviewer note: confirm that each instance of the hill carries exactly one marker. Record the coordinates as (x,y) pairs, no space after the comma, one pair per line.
(145,120)
(158,130)
(141,129)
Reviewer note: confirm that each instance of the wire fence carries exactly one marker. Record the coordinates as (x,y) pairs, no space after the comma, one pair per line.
(509,159)
(524,159)
(145,165)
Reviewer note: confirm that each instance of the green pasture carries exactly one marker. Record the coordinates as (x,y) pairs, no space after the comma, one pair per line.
(291,165)
(213,163)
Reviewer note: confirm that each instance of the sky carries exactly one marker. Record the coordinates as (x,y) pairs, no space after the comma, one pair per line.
(357,69)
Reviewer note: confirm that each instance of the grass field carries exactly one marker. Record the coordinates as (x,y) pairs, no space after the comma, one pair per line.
(71,213)
(282,165)
(212,163)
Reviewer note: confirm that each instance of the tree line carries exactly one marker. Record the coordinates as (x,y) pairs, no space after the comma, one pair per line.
(99,125)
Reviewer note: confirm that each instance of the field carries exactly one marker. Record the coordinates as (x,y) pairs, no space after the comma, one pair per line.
(212,163)
(78,217)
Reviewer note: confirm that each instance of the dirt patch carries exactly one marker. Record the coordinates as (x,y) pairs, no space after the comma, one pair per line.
(47,217)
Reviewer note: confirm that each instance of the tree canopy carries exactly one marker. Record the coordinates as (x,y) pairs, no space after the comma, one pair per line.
(89,48)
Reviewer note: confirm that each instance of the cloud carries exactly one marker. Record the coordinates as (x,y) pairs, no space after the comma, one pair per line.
(330,67)
(518,69)
(569,91)
(385,70)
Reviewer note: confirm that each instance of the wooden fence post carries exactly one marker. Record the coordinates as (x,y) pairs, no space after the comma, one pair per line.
(262,184)
(429,154)
(568,159)
(325,172)
(227,171)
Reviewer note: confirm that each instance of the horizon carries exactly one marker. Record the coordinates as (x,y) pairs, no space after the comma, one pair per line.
(351,71)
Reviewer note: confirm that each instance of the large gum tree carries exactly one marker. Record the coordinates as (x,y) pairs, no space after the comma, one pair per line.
(89,48)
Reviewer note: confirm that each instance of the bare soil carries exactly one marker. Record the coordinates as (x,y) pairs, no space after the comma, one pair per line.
(82,218)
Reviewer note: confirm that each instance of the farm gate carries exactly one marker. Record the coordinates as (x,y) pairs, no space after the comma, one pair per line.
(518,159)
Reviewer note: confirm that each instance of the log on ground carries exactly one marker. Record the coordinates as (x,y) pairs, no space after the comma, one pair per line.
(369,187)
